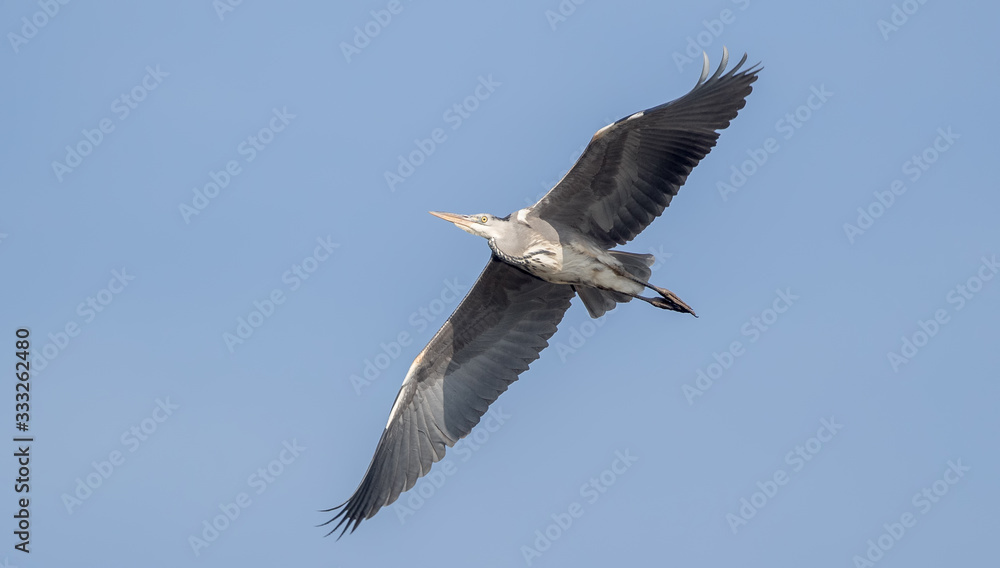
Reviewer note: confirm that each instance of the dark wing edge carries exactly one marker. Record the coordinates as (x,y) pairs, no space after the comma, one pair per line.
(632,168)
(500,327)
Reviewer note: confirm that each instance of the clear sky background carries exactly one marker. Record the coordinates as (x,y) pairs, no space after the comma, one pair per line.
(815,429)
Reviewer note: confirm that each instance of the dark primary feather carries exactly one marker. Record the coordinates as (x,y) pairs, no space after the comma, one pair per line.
(499,328)
(632,168)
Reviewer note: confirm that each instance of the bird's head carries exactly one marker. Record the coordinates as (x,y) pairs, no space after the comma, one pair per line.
(481,224)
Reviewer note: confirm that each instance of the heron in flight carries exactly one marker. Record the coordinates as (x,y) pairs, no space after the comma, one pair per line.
(544,255)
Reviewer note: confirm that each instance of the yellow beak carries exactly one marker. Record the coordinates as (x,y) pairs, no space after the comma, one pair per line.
(452,218)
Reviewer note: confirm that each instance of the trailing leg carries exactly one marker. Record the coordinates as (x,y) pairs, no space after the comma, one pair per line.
(670,301)
(637,270)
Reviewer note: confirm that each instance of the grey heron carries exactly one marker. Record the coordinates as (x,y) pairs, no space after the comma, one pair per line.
(542,256)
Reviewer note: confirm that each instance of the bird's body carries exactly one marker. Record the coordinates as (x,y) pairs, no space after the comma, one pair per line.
(560,256)
(543,256)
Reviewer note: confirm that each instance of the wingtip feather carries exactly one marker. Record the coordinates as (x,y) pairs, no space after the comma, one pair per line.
(704,70)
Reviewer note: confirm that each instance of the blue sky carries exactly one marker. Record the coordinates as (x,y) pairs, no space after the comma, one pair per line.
(172,171)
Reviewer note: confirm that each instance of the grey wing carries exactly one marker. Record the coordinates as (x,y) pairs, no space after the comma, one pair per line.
(632,168)
(499,328)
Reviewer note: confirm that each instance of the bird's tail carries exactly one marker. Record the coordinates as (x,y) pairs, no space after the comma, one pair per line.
(598,302)
(635,264)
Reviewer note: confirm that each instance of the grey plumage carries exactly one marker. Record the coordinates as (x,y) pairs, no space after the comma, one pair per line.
(499,328)
(633,167)
(598,302)
(543,256)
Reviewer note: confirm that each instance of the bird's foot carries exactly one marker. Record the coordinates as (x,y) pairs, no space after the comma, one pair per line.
(670,301)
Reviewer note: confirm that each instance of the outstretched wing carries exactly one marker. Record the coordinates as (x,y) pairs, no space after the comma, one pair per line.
(633,167)
(499,328)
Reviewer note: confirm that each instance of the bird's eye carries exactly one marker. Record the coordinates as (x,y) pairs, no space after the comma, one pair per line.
(484,218)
